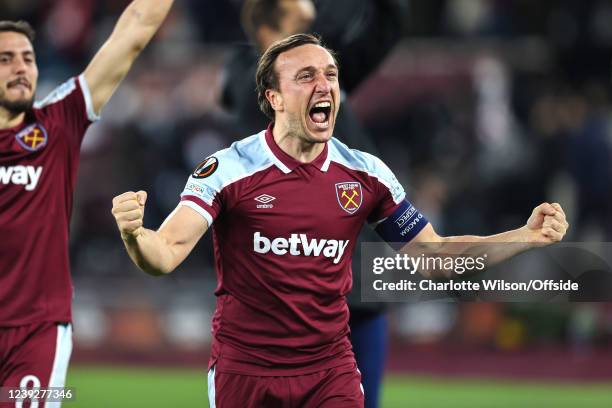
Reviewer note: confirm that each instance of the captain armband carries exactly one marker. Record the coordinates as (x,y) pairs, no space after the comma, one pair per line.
(402,225)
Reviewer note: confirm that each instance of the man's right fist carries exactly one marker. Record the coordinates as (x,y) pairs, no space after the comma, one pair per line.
(128,210)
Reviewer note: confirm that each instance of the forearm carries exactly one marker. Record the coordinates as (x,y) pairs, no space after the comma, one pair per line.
(135,28)
(150,252)
(142,19)
(491,249)
(545,226)
(497,248)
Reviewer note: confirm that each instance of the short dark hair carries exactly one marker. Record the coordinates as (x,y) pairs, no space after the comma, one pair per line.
(22,27)
(266,76)
(256,13)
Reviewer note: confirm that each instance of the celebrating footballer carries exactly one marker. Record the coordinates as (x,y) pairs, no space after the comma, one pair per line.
(286,206)
(39,156)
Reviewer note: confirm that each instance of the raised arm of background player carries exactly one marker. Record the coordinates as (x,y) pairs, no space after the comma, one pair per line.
(135,28)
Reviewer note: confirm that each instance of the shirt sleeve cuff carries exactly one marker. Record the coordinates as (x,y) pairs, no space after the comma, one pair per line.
(91,115)
(197,208)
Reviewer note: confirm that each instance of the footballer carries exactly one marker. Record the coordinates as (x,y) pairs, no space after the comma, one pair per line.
(285,207)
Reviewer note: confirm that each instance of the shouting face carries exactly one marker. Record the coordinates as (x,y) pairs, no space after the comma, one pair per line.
(308,98)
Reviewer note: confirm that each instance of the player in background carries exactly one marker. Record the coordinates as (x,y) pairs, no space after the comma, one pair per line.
(362,42)
(39,155)
(286,206)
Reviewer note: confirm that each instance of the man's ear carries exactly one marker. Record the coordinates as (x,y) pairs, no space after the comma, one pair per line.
(276,99)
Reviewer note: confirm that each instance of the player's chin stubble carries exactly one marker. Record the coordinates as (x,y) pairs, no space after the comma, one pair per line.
(16,107)
(298,129)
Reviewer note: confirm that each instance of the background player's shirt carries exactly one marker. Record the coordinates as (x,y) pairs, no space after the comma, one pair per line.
(284,233)
(38,165)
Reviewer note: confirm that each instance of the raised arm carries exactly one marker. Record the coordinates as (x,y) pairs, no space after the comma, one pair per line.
(156,252)
(135,28)
(545,226)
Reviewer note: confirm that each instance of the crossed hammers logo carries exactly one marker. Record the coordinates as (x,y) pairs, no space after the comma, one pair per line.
(350,199)
(34,138)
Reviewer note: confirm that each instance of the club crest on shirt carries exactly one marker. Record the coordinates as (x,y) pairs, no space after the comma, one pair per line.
(206,168)
(33,137)
(349,196)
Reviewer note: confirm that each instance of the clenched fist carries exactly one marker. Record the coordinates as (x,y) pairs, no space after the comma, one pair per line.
(547,223)
(128,210)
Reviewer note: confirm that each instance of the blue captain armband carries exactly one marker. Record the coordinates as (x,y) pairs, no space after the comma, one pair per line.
(402,225)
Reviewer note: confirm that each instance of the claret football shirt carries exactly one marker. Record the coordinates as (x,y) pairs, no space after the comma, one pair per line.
(38,166)
(283,234)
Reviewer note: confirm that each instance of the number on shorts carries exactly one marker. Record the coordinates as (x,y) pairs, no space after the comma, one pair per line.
(25,383)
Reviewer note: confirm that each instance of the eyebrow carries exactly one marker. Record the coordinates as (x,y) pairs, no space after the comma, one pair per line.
(12,53)
(310,68)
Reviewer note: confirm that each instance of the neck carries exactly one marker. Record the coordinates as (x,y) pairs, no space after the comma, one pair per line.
(9,119)
(295,146)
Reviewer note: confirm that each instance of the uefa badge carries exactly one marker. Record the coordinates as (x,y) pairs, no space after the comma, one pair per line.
(206,168)
(32,138)
(349,196)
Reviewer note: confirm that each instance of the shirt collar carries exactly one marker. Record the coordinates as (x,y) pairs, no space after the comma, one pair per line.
(287,163)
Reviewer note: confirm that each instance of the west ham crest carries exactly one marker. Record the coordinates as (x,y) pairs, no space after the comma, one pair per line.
(349,196)
(33,137)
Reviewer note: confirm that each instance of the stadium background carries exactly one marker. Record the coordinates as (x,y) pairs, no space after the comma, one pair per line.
(485,109)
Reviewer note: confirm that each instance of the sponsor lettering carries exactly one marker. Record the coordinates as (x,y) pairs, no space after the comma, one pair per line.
(27,176)
(412,224)
(194,187)
(299,244)
(406,215)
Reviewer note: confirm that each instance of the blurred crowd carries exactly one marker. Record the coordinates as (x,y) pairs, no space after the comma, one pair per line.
(484,110)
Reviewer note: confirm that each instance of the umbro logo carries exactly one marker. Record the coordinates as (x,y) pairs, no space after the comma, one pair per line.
(265,201)
(264,198)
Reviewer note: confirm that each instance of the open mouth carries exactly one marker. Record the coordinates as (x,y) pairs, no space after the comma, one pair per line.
(319,114)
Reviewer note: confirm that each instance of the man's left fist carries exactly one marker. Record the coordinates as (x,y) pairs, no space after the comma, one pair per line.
(547,223)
